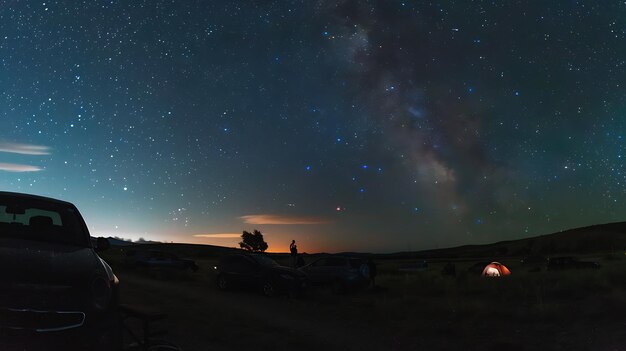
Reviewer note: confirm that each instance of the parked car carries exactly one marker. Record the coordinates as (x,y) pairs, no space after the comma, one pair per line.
(534,263)
(154,258)
(413,266)
(534,260)
(54,284)
(342,272)
(568,262)
(259,272)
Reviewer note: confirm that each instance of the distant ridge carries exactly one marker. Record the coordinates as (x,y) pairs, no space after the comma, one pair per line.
(599,238)
(193,250)
(119,242)
(115,241)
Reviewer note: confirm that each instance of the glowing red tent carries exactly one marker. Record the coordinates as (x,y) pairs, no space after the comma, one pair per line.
(495,269)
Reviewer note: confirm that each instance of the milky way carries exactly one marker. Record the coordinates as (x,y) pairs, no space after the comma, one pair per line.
(346,125)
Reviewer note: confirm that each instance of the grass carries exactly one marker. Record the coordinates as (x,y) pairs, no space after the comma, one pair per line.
(419,310)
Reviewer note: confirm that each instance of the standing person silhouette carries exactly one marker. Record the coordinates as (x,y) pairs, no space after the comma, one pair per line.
(372,268)
(293,248)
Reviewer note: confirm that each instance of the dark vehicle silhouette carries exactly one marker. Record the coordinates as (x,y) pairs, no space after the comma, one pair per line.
(257,271)
(55,287)
(341,272)
(413,266)
(534,263)
(568,262)
(153,258)
(534,260)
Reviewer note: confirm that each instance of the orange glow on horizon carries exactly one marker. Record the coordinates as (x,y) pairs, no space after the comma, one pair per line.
(218,235)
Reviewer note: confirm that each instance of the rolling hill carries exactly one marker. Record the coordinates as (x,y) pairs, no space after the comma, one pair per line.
(601,238)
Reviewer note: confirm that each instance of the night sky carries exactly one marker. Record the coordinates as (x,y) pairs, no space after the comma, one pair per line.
(345,125)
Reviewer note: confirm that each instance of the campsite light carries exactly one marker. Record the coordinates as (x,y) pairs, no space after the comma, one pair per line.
(495,269)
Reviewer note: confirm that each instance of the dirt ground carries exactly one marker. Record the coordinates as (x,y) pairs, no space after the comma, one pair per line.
(417,311)
(200,317)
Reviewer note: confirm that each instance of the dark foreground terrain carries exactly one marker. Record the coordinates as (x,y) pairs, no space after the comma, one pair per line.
(422,310)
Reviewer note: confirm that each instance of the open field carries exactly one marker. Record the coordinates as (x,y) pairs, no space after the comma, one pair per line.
(562,310)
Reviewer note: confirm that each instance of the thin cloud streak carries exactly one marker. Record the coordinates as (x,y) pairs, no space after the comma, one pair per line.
(218,236)
(283,219)
(13,167)
(24,149)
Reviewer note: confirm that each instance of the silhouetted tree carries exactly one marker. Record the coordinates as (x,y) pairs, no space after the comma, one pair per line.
(253,241)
